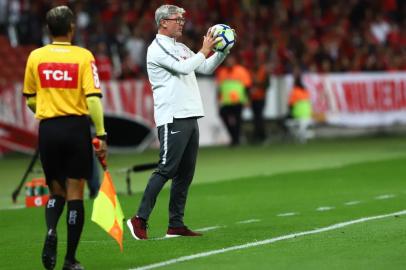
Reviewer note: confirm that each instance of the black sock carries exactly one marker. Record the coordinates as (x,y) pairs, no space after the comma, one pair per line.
(53,211)
(75,219)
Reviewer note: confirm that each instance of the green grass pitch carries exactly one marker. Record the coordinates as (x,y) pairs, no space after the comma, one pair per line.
(242,196)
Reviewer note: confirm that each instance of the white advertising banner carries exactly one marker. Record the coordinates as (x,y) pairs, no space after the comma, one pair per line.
(359,99)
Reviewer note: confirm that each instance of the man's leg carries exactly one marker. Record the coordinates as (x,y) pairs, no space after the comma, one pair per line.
(154,186)
(65,150)
(183,178)
(226,116)
(51,164)
(170,139)
(236,111)
(55,205)
(259,125)
(53,211)
(78,153)
(75,215)
(138,223)
(173,140)
(172,144)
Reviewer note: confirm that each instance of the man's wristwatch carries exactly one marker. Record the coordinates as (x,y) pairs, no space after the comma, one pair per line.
(102,137)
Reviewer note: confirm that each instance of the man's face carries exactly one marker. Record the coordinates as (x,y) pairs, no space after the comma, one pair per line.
(174,25)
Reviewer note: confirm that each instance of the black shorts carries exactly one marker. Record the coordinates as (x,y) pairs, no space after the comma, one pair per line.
(65,148)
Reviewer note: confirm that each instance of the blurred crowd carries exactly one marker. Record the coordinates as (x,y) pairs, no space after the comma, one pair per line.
(314,35)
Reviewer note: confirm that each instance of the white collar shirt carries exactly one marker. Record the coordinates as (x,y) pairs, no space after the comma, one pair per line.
(171,70)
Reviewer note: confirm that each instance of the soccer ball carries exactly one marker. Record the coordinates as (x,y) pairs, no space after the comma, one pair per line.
(227,37)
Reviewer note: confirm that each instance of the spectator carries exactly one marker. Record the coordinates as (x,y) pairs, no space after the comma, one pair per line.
(103,62)
(257,94)
(380,29)
(233,81)
(135,48)
(129,70)
(300,111)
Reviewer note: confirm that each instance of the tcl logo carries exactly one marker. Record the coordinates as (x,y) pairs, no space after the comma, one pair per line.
(58,75)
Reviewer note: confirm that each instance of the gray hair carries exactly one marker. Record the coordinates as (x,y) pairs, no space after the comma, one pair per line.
(165,11)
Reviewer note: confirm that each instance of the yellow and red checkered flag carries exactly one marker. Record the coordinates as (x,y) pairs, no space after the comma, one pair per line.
(107,212)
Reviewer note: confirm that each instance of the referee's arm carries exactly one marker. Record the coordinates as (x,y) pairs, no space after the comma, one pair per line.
(29,85)
(95,108)
(31,102)
(91,86)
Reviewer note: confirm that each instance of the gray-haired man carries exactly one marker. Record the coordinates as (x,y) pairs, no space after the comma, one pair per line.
(177,106)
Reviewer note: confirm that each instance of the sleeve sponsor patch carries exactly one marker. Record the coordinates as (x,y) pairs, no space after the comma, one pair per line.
(58,75)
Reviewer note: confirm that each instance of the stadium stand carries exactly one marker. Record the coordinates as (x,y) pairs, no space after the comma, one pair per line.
(316,35)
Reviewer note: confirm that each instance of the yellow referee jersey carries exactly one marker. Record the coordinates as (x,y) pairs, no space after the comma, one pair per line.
(61,76)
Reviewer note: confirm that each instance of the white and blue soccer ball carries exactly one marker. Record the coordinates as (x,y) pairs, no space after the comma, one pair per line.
(227,37)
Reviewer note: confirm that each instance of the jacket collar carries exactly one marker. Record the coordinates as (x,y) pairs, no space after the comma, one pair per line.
(61,43)
(163,37)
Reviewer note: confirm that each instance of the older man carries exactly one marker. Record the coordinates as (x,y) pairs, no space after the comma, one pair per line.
(171,69)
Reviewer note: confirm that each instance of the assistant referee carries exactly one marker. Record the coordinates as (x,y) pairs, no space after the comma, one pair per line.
(62,87)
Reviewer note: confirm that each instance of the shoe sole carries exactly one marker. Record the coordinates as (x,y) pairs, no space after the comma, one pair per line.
(130,226)
(172,235)
(178,235)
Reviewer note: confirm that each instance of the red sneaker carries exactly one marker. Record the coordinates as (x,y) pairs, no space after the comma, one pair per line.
(138,228)
(181,231)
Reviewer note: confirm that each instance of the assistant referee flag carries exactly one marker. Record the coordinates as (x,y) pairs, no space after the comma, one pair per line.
(107,212)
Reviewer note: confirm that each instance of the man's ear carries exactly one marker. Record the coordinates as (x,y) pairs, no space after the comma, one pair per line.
(72,29)
(162,23)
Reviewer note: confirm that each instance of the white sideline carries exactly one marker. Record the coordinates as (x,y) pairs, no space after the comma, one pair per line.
(266,241)
(325,208)
(385,197)
(13,207)
(352,202)
(198,230)
(287,214)
(206,229)
(248,221)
